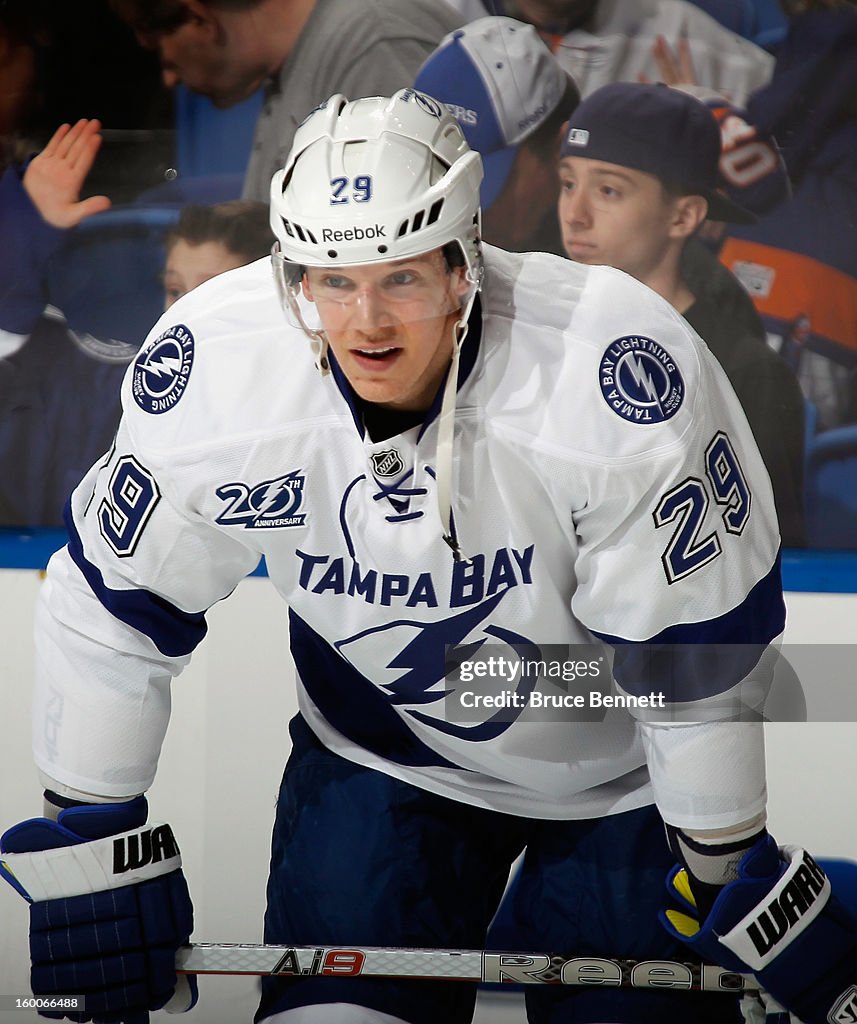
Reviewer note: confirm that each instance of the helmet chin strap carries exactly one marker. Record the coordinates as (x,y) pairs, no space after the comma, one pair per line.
(319,345)
(446,432)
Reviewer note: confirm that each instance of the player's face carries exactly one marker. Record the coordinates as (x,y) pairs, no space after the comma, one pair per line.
(390,325)
(614,216)
(190,265)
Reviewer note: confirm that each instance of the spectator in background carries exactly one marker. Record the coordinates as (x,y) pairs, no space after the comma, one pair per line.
(752,170)
(59,391)
(638,177)
(54,61)
(23,30)
(512,100)
(209,240)
(302,51)
(39,201)
(602,41)
(799,262)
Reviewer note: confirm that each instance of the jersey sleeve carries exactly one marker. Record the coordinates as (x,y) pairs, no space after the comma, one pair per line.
(119,614)
(678,566)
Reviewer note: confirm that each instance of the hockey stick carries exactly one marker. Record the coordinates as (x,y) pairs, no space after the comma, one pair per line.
(456,965)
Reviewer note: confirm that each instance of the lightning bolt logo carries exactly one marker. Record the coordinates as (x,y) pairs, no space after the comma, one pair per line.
(643,379)
(270,497)
(167,366)
(640,380)
(422,662)
(162,371)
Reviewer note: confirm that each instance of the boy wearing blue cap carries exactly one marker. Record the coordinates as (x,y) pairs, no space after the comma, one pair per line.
(638,176)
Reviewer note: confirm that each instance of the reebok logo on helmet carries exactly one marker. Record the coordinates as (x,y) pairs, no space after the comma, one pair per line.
(352,234)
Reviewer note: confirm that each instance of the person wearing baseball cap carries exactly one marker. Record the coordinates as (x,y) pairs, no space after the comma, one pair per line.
(512,99)
(638,176)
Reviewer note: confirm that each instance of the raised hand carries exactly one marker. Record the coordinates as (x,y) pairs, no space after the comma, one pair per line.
(55,176)
(675,66)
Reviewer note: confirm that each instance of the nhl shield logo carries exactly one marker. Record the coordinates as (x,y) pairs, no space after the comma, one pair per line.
(387,463)
(844,1010)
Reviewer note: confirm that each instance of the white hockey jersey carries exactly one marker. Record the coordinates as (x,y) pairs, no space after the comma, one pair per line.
(605,484)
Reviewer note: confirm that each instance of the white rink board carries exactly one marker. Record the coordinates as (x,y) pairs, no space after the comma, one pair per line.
(227,743)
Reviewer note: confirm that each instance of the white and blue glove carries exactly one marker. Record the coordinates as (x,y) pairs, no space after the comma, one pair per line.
(109,909)
(778,921)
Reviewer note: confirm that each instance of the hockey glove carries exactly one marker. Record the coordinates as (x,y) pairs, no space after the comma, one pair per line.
(778,921)
(109,909)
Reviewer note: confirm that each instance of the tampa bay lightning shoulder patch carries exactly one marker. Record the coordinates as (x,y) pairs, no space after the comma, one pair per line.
(640,380)
(162,370)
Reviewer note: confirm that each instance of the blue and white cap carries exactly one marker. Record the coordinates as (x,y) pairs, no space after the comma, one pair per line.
(500,81)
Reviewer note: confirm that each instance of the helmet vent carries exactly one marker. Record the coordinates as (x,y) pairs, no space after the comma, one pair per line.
(304,234)
(434,212)
(421,219)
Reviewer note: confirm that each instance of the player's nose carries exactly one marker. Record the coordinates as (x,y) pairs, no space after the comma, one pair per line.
(369,311)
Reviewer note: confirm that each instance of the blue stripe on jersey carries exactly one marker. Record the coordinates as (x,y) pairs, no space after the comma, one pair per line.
(695,660)
(175,633)
(351,703)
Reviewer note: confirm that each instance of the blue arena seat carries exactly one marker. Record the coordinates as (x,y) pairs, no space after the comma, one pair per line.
(106,280)
(211,151)
(831,489)
(211,141)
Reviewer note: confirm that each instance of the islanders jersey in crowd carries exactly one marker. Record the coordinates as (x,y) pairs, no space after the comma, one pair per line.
(605,485)
(799,263)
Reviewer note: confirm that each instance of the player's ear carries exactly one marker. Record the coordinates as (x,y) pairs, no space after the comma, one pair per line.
(688,213)
(458,281)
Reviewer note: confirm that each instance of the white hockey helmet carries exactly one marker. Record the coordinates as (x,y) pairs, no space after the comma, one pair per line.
(374,180)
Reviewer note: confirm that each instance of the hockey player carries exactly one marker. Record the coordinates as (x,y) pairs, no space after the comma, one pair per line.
(477,447)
